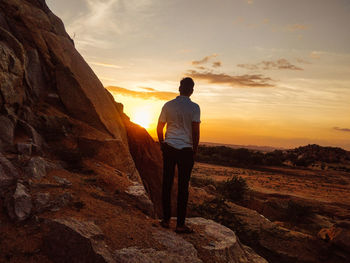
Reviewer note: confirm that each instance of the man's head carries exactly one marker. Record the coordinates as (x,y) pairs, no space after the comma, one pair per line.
(186,87)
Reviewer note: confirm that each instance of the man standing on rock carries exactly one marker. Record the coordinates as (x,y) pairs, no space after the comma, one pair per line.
(182,117)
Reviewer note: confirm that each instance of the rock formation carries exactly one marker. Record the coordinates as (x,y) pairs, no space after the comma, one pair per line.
(73,169)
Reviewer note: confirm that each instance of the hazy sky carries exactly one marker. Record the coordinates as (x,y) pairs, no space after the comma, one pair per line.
(267,72)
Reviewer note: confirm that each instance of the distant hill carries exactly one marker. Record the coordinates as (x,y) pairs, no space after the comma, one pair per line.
(313,153)
(305,156)
(250,147)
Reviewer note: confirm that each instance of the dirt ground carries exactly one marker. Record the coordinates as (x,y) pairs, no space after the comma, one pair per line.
(325,186)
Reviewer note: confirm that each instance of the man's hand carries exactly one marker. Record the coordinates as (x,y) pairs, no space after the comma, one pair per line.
(195,136)
(160,128)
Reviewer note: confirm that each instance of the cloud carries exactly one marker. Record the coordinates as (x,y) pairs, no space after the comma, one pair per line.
(105,65)
(160,95)
(303,61)
(266,21)
(204,60)
(297,27)
(341,129)
(147,88)
(102,20)
(315,54)
(281,64)
(217,64)
(253,81)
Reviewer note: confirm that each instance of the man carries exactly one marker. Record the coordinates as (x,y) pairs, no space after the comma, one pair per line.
(182,117)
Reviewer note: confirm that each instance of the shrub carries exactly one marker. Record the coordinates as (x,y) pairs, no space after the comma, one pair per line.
(234,189)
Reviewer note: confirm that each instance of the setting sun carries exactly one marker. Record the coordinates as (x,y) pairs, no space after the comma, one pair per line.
(142,116)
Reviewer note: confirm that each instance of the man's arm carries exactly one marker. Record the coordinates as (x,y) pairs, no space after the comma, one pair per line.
(160,128)
(195,135)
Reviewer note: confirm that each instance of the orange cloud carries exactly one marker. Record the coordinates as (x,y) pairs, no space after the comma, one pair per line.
(315,54)
(282,64)
(147,88)
(302,61)
(342,129)
(216,64)
(297,27)
(159,95)
(253,81)
(203,60)
(106,65)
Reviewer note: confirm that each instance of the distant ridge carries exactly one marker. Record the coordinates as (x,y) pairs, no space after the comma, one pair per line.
(250,147)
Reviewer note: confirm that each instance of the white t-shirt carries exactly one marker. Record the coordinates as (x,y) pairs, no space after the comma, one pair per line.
(179,114)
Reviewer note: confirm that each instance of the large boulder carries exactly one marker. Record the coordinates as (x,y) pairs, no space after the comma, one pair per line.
(176,250)
(7,128)
(36,49)
(19,204)
(42,78)
(71,240)
(8,173)
(211,242)
(223,245)
(148,160)
(273,242)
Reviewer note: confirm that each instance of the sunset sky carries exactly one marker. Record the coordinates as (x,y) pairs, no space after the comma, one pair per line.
(267,72)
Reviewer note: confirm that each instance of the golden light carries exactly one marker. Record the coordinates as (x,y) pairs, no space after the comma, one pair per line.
(142,117)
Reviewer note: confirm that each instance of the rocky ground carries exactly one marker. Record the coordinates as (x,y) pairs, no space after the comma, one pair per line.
(91,217)
(303,214)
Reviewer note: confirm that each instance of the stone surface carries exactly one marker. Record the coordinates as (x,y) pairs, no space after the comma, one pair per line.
(270,240)
(71,240)
(108,151)
(225,246)
(8,173)
(137,191)
(177,250)
(11,69)
(42,202)
(25,148)
(338,236)
(148,160)
(6,132)
(62,181)
(36,167)
(19,205)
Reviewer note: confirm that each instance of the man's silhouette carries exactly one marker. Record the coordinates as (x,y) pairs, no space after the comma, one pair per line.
(182,117)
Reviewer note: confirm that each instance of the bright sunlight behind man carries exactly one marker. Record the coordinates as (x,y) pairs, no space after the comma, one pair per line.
(142,116)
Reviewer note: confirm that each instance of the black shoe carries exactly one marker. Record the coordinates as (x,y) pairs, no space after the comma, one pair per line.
(165,224)
(183,229)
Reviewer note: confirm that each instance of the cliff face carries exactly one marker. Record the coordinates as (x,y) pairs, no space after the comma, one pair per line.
(70,160)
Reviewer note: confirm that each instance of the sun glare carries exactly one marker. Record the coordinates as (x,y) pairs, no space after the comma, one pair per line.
(142,117)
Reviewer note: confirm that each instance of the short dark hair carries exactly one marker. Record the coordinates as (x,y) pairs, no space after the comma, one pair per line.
(186,86)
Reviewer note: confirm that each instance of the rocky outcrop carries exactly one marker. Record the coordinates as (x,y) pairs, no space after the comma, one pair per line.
(176,249)
(8,173)
(211,242)
(19,204)
(148,160)
(70,240)
(270,240)
(49,95)
(225,246)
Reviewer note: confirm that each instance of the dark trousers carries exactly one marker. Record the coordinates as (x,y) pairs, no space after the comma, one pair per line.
(184,160)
